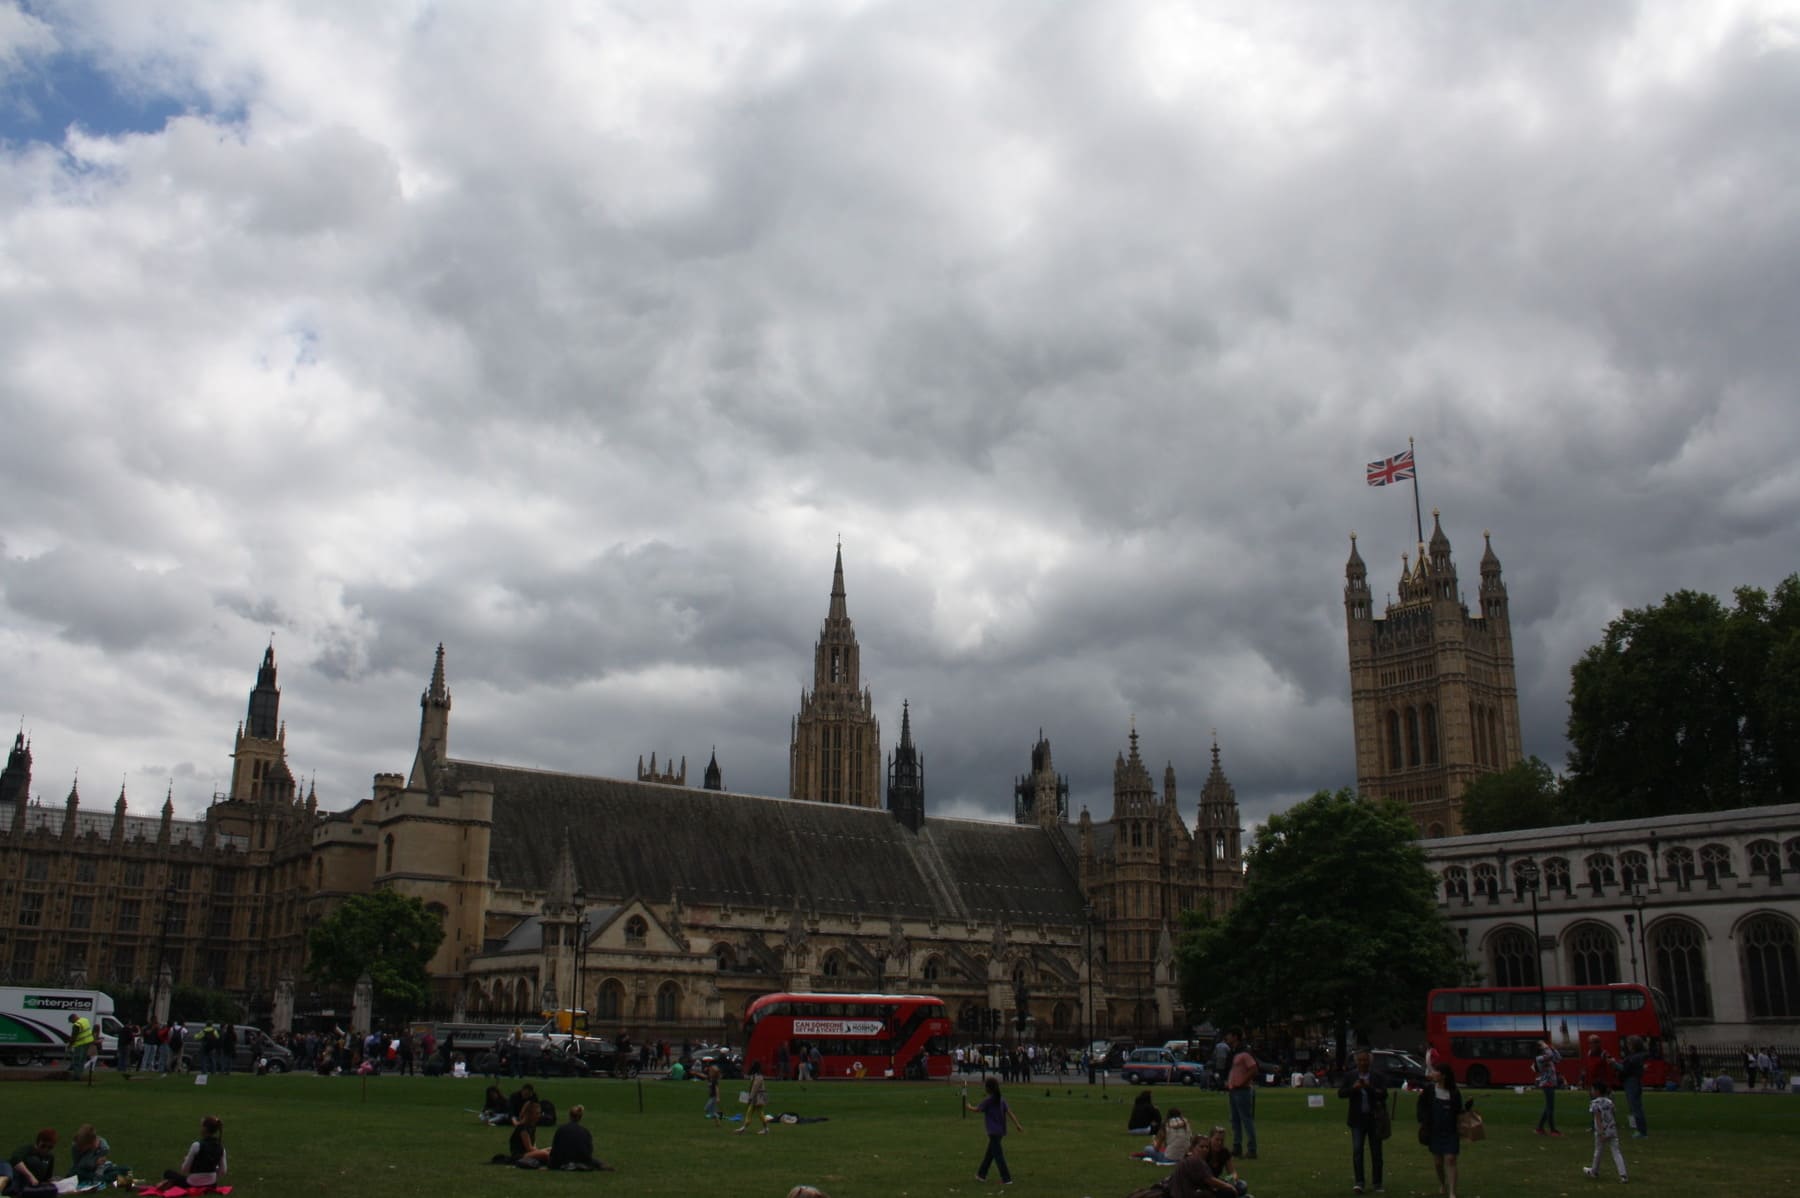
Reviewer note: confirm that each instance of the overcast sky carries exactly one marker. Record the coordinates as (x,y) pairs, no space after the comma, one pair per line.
(574,336)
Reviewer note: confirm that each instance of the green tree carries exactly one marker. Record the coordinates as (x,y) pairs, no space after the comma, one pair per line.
(1527,795)
(1337,921)
(388,936)
(1689,706)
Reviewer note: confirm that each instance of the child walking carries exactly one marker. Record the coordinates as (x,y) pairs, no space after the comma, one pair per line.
(995,1113)
(1606,1132)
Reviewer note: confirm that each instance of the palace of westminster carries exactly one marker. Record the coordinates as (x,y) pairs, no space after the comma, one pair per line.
(664,908)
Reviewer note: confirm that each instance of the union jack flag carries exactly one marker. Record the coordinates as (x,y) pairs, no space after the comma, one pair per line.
(1396,469)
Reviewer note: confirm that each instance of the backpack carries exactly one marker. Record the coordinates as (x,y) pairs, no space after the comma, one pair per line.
(546,1113)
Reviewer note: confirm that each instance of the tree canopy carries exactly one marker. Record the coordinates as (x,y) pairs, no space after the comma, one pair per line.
(1528,795)
(1689,706)
(388,936)
(1337,920)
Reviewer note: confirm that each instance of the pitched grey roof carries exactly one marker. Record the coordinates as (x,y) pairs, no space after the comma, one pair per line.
(647,840)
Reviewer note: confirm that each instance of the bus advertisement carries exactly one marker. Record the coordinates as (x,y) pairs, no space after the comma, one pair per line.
(1490,1035)
(856,1035)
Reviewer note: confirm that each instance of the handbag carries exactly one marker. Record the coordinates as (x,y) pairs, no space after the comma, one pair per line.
(1470,1127)
(1384,1123)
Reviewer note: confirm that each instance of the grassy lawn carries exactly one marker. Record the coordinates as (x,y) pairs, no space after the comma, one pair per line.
(408,1136)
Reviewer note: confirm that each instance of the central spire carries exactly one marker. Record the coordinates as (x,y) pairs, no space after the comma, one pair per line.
(835,755)
(838,611)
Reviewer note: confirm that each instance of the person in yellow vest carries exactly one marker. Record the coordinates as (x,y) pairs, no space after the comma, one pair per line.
(82,1044)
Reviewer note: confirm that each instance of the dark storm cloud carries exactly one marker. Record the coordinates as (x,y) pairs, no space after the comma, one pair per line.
(576,347)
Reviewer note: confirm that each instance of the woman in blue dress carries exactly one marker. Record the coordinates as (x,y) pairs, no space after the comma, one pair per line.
(1440,1104)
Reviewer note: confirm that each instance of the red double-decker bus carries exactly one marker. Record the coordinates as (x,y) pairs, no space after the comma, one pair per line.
(1489,1034)
(857,1035)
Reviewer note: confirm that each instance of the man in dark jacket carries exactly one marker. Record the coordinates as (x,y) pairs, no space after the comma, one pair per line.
(1366,1091)
(572,1147)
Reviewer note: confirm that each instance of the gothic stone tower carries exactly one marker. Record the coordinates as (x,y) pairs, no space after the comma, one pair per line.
(1042,796)
(906,776)
(835,753)
(259,770)
(1432,688)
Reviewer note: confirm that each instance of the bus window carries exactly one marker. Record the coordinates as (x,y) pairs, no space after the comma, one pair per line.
(1628,1000)
(1448,1003)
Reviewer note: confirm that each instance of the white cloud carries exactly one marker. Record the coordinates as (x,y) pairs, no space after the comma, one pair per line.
(574,339)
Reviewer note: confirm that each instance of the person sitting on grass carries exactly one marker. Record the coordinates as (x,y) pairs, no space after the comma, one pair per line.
(204,1163)
(522,1146)
(35,1163)
(1145,1119)
(1172,1142)
(92,1164)
(495,1110)
(572,1147)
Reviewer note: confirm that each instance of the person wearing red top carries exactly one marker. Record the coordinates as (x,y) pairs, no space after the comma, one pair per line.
(1240,1091)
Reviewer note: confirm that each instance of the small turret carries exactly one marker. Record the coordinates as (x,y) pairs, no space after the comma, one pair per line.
(1358,605)
(714,779)
(906,776)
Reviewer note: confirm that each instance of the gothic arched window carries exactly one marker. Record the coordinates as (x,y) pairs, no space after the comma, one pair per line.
(1412,736)
(388,854)
(1593,955)
(1680,861)
(1600,873)
(1431,734)
(1765,859)
(1487,881)
(833,964)
(1791,850)
(1557,876)
(934,968)
(1059,1017)
(610,1003)
(1634,869)
(637,931)
(1715,863)
(1456,883)
(1771,969)
(668,1003)
(1519,870)
(1678,961)
(1393,739)
(1514,958)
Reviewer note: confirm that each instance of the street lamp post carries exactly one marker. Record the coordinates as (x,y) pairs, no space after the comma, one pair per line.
(581,936)
(1637,902)
(1528,873)
(1087,923)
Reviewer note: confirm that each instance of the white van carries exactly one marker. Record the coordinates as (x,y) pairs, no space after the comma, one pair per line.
(34,1023)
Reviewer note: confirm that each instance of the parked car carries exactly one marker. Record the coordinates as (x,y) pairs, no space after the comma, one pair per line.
(1147,1066)
(600,1055)
(729,1060)
(251,1043)
(537,1058)
(1398,1066)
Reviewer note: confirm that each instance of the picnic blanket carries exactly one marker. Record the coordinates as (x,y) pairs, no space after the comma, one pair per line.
(169,1189)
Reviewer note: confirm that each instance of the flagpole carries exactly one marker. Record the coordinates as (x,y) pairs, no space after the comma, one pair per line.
(1418,513)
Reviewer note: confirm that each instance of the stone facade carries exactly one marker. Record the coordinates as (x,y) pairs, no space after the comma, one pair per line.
(1701,906)
(111,897)
(1432,689)
(659,907)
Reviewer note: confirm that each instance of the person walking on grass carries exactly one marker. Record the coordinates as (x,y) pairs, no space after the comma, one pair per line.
(1631,1073)
(995,1113)
(1440,1108)
(1548,1081)
(1367,1093)
(1606,1133)
(758,1102)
